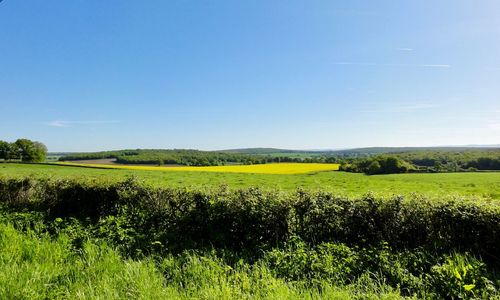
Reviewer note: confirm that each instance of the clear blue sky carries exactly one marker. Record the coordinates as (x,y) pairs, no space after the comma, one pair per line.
(86,75)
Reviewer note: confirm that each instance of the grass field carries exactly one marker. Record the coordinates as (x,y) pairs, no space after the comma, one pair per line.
(76,236)
(481,184)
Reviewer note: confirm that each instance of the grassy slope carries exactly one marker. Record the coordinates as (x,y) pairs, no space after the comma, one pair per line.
(484,184)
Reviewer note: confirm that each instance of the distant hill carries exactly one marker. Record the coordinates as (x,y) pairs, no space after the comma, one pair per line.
(267,151)
(362,151)
(266,155)
(365,150)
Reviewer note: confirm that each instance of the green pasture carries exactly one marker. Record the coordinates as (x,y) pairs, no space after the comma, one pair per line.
(484,185)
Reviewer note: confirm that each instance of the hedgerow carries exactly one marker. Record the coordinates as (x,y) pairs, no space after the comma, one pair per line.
(251,218)
(416,246)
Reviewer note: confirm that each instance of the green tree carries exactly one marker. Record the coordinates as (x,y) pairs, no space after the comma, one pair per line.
(40,152)
(30,151)
(5,150)
(438,166)
(393,165)
(374,168)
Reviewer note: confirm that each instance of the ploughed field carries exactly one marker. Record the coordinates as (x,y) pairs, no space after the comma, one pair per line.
(484,185)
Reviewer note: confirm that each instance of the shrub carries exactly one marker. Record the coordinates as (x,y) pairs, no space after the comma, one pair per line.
(461,276)
(252,219)
(313,240)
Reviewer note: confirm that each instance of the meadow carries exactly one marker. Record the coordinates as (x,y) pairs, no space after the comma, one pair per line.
(485,185)
(79,232)
(78,239)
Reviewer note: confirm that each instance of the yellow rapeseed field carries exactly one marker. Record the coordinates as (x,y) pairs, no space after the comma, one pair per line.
(277,168)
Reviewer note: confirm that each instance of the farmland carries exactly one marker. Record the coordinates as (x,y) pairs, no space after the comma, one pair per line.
(281,168)
(475,184)
(76,232)
(250,150)
(267,231)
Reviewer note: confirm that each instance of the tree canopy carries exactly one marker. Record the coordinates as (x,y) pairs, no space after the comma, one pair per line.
(379,165)
(24,150)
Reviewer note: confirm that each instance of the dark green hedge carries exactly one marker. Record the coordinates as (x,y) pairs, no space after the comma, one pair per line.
(252,219)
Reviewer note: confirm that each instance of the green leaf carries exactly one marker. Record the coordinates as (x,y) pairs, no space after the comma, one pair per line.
(469,287)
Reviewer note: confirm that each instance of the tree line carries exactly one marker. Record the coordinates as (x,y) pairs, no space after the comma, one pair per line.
(454,161)
(379,165)
(23,150)
(189,157)
(428,161)
(424,162)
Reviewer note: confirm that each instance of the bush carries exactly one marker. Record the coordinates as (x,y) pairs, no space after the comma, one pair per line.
(316,240)
(461,276)
(251,219)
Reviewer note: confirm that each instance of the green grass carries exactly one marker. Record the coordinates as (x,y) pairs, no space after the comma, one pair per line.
(36,266)
(129,252)
(480,184)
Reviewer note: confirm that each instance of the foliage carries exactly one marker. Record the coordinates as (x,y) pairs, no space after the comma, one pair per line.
(38,264)
(414,272)
(427,159)
(5,150)
(379,165)
(24,150)
(253,219)
(449,160)
(453,161)
(183,157)
(432,159)
(248,243)
(34,265)
(462,277)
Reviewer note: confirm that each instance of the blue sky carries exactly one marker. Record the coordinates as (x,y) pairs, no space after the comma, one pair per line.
(87,75)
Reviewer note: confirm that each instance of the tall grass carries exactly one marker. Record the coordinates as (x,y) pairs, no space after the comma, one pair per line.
(85,239)
(34,266)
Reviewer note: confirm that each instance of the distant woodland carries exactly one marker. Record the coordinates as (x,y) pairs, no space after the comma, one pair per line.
(367,160)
